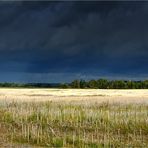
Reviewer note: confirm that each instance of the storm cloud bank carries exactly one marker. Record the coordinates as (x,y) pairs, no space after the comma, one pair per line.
(61,41)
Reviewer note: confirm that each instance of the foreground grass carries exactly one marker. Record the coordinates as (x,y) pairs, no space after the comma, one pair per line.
(57,124)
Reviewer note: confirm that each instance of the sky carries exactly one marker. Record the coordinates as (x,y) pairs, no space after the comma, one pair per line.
(50,42)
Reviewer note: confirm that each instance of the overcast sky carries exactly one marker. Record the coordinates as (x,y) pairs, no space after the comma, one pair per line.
(62,41)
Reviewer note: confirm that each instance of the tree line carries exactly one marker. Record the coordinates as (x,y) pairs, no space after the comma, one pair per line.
(107,84)
(30,85)
(93,84)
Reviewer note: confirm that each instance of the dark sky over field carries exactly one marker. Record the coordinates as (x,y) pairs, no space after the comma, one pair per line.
(62,41)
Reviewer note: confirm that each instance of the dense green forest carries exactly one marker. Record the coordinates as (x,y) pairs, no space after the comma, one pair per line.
(96,84)
(107,84)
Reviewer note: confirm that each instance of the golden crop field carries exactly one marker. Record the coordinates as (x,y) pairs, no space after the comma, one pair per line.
(73,118)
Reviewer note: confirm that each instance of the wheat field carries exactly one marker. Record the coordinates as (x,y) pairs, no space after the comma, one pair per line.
(73,118)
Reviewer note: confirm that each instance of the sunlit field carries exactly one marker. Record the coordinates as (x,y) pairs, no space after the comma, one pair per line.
(73,118)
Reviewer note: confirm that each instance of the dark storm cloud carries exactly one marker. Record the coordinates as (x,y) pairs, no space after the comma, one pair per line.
(90,38)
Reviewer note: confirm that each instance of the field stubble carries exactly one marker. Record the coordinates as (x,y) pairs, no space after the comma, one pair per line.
(74,123)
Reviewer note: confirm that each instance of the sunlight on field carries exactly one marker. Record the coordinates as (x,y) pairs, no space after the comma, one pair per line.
(73,118)
(61,124)
(93,95)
